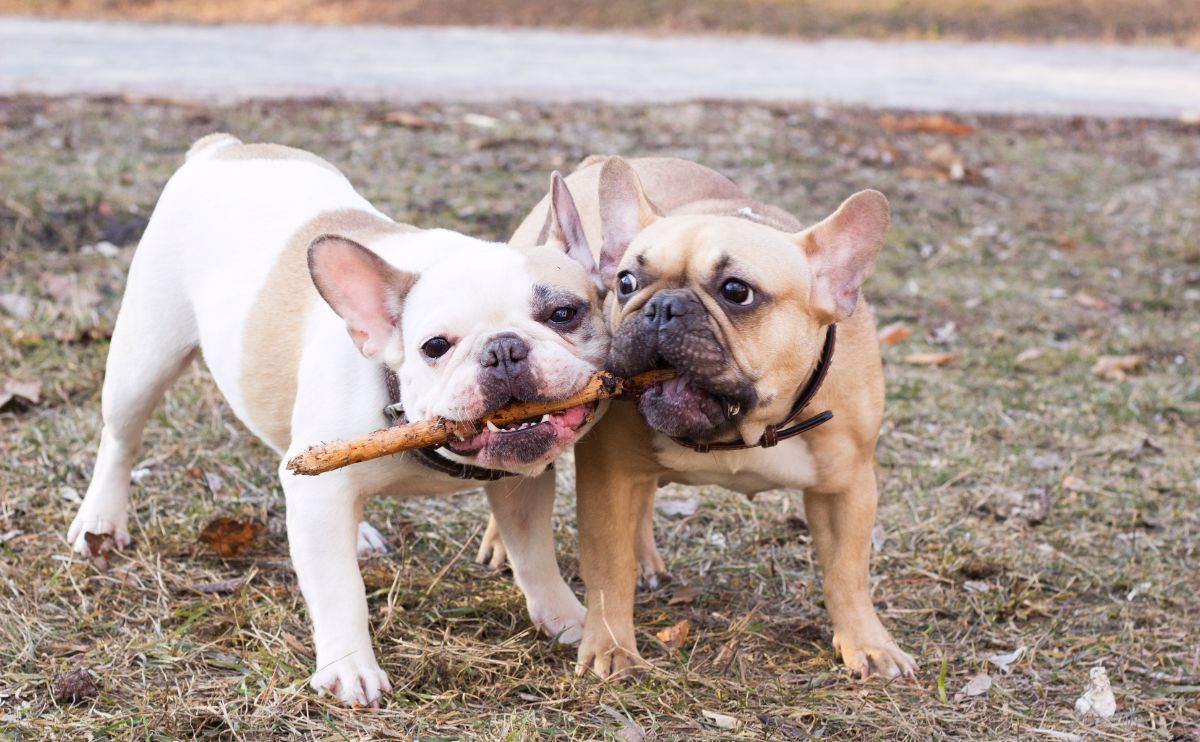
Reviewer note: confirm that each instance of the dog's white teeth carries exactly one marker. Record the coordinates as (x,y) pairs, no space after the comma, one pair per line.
(492,427)
(545,418)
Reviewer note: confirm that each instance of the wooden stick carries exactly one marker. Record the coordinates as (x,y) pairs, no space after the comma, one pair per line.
(423,433)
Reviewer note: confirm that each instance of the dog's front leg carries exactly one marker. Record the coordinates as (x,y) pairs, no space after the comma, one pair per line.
(840,520)
(322,524)
(522,509)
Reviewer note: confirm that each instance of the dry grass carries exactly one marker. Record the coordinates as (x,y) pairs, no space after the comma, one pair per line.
(1110,20)
(986,550)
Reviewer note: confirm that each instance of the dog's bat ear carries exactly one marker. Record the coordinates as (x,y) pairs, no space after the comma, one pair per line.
(625,210)
(362,288)
(841,251)
(564,229)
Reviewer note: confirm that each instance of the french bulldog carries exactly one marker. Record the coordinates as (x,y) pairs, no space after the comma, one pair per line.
(300,294)
(741,299)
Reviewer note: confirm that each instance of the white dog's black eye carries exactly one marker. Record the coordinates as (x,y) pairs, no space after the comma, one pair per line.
(737,291)
(435,347)
(563,315)
(627,282)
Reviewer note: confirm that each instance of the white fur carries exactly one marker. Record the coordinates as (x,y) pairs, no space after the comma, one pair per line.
(206,255)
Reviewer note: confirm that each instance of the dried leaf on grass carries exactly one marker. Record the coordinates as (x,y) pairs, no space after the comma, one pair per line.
(976,686)
(675,636)
(230,537)
(74,686)
(684,595)
(1003,661)
(1098,700)
(721,721)
(1117,368)
(937,123)
(221,586)
(26,392)
(895,333)
(1084,299)
(407,119)
(930,359)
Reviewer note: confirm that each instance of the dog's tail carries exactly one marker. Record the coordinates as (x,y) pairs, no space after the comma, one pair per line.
(210,143)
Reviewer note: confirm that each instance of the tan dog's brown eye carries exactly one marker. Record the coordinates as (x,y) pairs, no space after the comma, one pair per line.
(627,282)
(435,347)
(563,315)
(737,292)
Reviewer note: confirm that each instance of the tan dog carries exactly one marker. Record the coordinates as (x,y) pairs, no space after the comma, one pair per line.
(739,297)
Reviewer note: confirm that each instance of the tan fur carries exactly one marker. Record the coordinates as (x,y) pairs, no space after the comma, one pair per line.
(621,463)
(265,152)
(274,331)
(208,141)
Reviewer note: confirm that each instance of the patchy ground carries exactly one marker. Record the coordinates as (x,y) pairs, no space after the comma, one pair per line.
(1027,501)
(1164,21)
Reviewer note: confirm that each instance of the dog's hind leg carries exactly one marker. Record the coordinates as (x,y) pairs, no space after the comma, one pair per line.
(491,548)
(153,341)
(652,570)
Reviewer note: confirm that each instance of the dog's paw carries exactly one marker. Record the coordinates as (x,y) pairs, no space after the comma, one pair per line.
(491,550)
(653,575)
(370,541)
(93,534)
(871,651)
(561,619)
(608,652)
(353,679)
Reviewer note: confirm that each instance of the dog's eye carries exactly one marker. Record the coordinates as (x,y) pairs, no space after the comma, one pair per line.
(737,292)
(435,347)
(627,282)
(563,315)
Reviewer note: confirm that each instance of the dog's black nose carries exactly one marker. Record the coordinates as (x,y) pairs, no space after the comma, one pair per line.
(664,307)
(504,356)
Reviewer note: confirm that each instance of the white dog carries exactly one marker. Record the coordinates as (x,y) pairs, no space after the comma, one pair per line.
(244,243)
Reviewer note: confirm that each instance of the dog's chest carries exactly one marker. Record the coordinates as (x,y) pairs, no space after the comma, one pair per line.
(789,465)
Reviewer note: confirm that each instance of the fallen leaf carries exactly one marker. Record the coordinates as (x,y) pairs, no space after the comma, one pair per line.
(26,392)
(684,595)
(1029,354)
(216,484)
(1084,299)
(895,333)
(937,123)
(1075,484)
(229,537)
(1098,699)
(878,539)
(99,544)
(675,636)
(1115,368)
(683,506)
(944,158)
(945,334)
(722,721)
(75,685)
(1003,661)
(1066,242)
(480,121)
(976,686)
(930,359)
(407,119)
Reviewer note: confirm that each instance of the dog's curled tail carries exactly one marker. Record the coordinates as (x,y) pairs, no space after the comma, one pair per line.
(210,143)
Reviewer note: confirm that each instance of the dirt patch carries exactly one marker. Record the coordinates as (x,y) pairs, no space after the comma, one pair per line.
(1027,503)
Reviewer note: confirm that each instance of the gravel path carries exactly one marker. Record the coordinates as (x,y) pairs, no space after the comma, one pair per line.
(226,63)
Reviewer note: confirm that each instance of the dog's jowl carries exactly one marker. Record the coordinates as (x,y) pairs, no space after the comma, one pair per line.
(314,312)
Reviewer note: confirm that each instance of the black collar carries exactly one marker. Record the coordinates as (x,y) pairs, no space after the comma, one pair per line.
(776,433)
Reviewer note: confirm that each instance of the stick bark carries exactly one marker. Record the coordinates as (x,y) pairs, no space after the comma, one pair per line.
(423,433)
